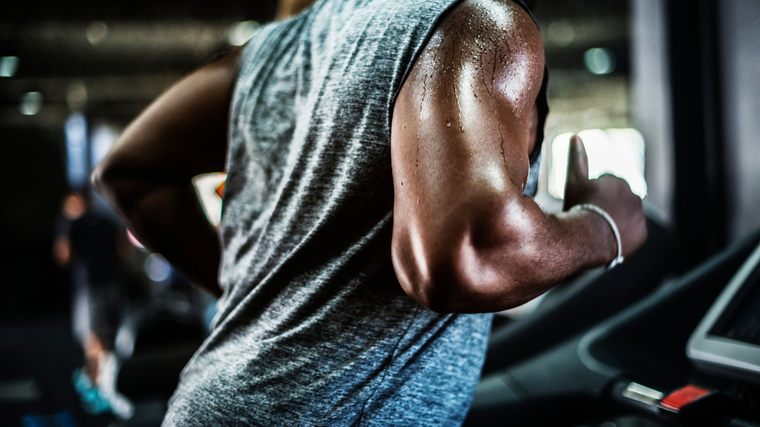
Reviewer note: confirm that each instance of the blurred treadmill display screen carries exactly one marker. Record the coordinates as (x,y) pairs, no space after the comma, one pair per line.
(742,320)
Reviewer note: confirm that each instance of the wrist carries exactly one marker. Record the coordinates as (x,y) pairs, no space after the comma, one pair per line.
(608,223)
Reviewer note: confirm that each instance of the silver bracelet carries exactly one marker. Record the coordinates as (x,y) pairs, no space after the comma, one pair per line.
(594,208)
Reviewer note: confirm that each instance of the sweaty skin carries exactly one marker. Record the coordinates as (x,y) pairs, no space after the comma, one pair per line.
(465,238)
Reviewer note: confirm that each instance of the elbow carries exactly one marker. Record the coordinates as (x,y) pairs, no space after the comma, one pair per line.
(466,277)
(435,292)
(451,281)
(448,292)
(418,276)
(104,180)
(120,190)
(431,292)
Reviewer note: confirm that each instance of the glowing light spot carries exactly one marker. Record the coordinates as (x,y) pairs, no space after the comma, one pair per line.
(561,33)
(8,66)
(76,96)
(157,268)
(31,103)
(600,60)
(73,206)
(96,32)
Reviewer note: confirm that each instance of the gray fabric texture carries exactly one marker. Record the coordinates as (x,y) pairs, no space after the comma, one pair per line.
(313,327)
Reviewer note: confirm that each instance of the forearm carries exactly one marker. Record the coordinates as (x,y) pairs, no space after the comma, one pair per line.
(531,261)
(147,175)
(492,261)
(168,219)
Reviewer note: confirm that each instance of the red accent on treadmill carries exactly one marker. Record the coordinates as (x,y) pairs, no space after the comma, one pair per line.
(682,397)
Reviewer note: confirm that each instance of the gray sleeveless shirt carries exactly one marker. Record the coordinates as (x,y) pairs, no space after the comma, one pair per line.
(313,327)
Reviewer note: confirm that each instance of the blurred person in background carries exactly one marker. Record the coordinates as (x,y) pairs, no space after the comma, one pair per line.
(381,159)
(94,246)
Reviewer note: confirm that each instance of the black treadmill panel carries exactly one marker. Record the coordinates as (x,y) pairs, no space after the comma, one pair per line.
(741,321)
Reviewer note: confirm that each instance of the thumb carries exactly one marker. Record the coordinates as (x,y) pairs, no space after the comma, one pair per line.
(577,161)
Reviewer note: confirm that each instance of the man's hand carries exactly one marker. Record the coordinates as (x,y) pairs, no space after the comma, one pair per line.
(609,193)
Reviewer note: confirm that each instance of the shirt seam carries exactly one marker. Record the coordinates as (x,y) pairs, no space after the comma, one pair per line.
(388,364)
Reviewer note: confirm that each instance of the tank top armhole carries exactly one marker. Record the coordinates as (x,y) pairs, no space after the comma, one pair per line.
(541,99)
(416,55)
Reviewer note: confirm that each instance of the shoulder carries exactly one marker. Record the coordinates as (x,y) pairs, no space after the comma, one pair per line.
(493,43)
(495,21)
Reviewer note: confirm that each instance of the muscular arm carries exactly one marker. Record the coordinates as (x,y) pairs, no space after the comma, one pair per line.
(465,238)
(147,175)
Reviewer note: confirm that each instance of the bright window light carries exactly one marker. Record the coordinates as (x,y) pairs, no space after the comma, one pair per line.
(619,152)
(102,138)
(75,130)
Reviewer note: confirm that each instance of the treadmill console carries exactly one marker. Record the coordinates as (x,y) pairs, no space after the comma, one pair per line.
(727,340)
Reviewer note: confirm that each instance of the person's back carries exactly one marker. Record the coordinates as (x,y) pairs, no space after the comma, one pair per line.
(313,327)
